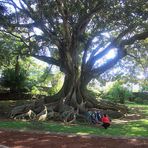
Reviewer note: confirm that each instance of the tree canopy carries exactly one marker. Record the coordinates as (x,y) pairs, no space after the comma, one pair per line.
(76,35)
(74,31)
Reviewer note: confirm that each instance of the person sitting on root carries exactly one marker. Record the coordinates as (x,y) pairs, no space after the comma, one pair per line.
(93,118)
(105,121)
(98,117)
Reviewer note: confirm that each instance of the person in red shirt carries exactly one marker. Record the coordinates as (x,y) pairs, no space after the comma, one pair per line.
(105,121)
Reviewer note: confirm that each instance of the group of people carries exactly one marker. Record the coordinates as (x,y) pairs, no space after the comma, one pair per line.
(95,117)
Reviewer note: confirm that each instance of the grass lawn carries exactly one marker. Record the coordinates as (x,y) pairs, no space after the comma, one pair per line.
(128,127)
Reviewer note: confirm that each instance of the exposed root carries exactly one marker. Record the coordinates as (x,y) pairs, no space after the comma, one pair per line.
(42,116)
(65,112)
(30,115)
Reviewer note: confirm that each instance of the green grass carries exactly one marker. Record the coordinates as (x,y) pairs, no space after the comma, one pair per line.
(129,129)
(142,109)
(132,128)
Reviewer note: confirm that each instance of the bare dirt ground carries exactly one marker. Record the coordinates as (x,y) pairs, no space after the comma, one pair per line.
(17,139)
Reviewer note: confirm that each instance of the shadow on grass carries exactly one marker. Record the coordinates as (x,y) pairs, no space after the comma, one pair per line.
(130,128)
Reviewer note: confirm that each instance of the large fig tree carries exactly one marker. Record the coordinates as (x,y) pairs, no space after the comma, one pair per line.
(78,34)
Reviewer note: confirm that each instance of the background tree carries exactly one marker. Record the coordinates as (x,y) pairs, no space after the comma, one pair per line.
(118,93)
(78,34)
(15,81)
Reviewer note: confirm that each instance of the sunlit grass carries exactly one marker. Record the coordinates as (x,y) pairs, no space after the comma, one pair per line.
(130,128)
(136,129)
(142,108)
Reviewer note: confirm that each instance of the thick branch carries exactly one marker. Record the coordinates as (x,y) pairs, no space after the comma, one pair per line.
(137,59)
(14,4)
(29,25)
(64,14)
(48,60)
(117,42)
(16,36)
(84,20)
(134,38)
(113,44)
(121,53)
(38,22)
(90,39)
(110,63)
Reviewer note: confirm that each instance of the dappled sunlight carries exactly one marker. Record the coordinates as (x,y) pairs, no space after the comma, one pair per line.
(135,142)
(133,124)
(34,140)
(131,117)
(81,133)
(118,121)
(132,128)
(71,135)
(52,54)
(31,139)
(118,127)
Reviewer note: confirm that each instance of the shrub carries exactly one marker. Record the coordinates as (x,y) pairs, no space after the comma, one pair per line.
(13,81)
(118,93)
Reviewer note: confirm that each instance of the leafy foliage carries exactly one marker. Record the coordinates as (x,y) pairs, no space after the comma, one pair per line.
(9,48)
(9,79)
(56,83)
(76,35)
(70,26)
(145,87)
(118,93)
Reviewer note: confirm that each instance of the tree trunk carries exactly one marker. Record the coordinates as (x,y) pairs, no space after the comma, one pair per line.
(76,95)
(72,99)
(17,69)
